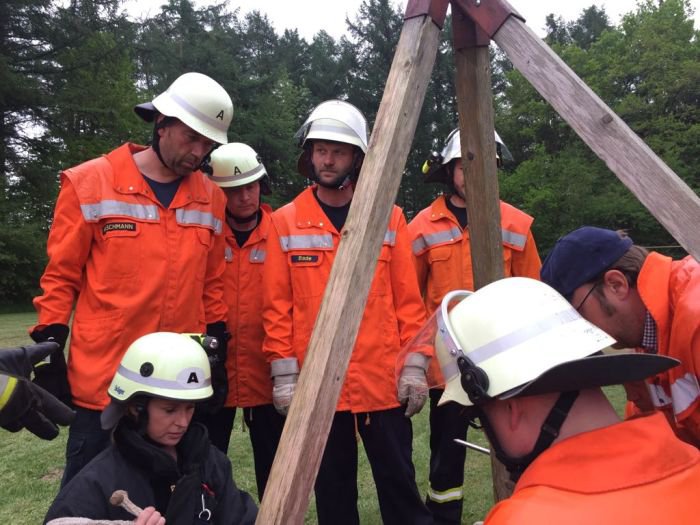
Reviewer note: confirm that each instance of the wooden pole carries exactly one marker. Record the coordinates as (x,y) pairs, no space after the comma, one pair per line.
(310,416)
(475,107)
(656,186)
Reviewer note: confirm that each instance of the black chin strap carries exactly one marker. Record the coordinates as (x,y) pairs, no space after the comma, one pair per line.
(548,433)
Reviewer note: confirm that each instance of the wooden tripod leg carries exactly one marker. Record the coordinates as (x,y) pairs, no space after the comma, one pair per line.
(309,420)
(657,187)
(475,105)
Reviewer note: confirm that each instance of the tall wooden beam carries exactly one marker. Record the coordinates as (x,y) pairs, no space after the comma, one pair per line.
(657,187)
(475,107)
(310,416)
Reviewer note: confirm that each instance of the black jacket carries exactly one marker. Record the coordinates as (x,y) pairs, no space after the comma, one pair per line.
(153,478)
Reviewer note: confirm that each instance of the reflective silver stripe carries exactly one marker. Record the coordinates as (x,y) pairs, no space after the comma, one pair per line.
(301,242)
(508,341)
(443,496)
(240,176)
(161,383)
(390,237)
(213,122)
(7,386)
(429,240)
(284,367)
(228,254)
(340,130)
(198,218)
(257,255)
(684,391)
(514,239)
(658,395)
(94,212)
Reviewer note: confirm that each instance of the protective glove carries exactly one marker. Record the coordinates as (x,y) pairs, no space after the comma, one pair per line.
(51,374)
(215,345)
(285,373)
(23,404)
(413,386)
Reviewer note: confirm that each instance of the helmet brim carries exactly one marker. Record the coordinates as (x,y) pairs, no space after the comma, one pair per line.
(147,111)
(594,371)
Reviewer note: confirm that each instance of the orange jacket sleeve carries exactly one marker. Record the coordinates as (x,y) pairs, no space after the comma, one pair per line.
(215,308)
(68,248)
(410,310)
(278,301)
(526,263)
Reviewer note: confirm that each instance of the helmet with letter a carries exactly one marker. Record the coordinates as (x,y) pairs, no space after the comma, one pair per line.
(166,365)
(237,164)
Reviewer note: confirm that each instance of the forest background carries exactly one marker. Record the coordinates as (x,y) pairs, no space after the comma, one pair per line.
(71,72)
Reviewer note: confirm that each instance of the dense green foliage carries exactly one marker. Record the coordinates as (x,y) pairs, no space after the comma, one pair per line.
(71,71)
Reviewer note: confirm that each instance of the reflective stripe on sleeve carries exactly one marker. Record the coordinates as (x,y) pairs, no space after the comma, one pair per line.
(684,391)
(7,387)
(306,242)
(390,237)
(198,218)
(94,212)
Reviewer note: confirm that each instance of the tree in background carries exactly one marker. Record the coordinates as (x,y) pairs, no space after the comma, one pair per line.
(70,73)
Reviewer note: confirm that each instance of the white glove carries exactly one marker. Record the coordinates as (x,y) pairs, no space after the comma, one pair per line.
(413,385)
(285,373)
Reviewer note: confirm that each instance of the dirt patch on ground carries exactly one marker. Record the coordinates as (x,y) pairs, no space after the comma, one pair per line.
(53,475)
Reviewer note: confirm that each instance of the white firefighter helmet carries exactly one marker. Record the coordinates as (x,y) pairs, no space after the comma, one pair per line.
(518,337)
(161,364)
(237,164)
(198,101)
(435,168)
(337,121)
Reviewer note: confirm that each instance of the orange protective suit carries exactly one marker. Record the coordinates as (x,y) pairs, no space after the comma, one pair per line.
(636,471)
(133,266)
(301,248)
(670,290)
(249,382)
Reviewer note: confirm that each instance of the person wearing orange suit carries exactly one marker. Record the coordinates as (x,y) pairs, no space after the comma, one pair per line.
(531,368)
(442,251)
(238,170)
(646,301)
(301,248)
(136,246)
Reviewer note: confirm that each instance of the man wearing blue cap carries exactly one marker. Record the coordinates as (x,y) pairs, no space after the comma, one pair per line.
(645,301)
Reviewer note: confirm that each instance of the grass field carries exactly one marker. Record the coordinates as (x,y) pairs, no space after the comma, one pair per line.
(30,469)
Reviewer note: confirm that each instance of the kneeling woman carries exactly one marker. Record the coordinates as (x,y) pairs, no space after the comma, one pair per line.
(158,456)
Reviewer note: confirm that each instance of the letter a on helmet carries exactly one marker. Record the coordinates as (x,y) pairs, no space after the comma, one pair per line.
(197,101)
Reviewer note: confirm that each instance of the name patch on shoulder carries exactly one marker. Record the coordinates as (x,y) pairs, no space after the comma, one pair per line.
(119,226)
(304,258)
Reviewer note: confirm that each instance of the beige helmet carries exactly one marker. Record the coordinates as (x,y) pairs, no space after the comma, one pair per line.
(198,101)
(162,364)
(519,337)
(435,168)
(237,164)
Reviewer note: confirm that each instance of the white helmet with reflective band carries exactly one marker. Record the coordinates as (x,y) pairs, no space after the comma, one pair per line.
(237,164)
(166,365)
(519,337)
(337,121)
(198,101)
(435,168)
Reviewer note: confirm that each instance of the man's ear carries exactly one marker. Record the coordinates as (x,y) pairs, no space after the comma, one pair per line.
(616,283)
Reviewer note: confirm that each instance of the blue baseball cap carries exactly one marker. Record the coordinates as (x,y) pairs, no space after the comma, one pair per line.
(580,256)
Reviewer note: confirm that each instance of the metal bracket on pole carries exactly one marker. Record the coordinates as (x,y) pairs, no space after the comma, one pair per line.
(489,15)
(435,9)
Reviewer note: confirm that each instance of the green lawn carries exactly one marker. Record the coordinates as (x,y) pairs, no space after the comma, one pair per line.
(30,469)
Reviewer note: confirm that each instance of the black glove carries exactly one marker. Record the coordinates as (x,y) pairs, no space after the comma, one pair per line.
(24,404)
(52,375)
(215,346)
